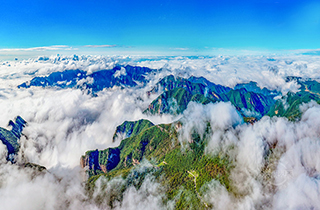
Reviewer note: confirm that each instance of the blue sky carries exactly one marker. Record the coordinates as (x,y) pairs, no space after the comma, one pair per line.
(196,25)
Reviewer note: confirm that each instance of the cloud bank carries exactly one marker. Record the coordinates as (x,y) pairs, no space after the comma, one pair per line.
(65,123)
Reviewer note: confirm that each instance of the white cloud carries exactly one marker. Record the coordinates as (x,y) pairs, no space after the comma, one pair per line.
(101,46)
(121,72)
(46,48)
(181,48)
(63,124)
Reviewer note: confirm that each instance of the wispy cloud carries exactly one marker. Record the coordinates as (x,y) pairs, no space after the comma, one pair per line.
(101,46)
(307,51)
(45,48)
(181,48)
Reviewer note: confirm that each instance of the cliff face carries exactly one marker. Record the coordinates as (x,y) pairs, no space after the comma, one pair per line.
(105,160)
(167,161)
(145,140)
(96,162)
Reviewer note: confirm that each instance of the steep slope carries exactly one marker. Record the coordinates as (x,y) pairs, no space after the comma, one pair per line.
(175,101)
(178,92)
(10,138)
(253,87)
(219,89)
(182,173)
(254,102)
(184,167)
(146,141)
(289,105)
(131,128)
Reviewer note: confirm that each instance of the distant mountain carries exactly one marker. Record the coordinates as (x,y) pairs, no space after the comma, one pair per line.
(129,76)
(65,79)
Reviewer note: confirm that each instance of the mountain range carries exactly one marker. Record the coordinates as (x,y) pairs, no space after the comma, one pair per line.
(182,168)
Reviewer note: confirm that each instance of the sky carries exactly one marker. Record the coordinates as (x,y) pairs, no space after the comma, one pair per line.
(189,25)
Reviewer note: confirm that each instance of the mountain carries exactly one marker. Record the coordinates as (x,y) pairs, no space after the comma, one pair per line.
(175,101)
(10,138)
(174,168)
(306,84)
(131,128)
(183,168)
(211,86)
(106,160)
(65,79)
(253,87)
(248,101)
(288,105)
(129,76)
(248,98)
(130,150)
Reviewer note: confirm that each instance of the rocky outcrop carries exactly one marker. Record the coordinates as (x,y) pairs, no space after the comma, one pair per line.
(144,138)
(10,138)
(96,161)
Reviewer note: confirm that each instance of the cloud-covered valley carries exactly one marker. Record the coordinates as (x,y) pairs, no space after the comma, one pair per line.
(274,162)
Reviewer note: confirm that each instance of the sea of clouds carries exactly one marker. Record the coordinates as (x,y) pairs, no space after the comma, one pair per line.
(65,123)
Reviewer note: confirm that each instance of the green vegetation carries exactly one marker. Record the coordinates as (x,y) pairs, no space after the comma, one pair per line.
(9,139)
(288,106)
(171,165)
(251,101)
(131,128)
(179,92)
(250,120)
(175,101)
(153,142)
(182,167)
